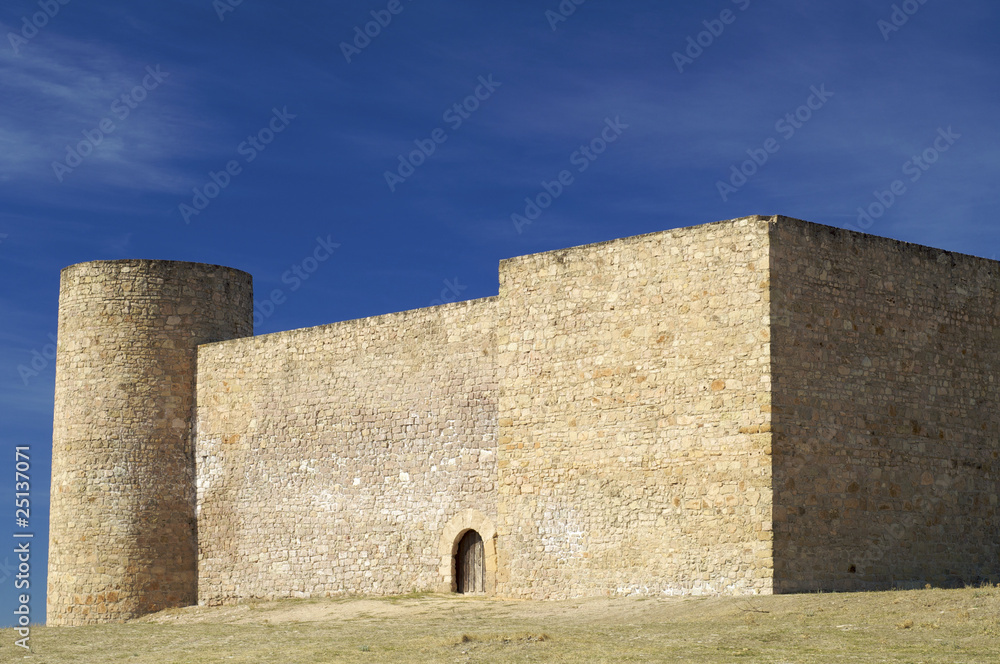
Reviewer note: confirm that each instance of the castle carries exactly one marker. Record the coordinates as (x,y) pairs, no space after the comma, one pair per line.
(760,405)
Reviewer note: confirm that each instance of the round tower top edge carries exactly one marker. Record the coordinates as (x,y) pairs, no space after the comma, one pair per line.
(153,264)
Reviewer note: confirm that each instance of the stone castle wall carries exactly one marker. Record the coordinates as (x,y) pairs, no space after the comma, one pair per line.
(334,460)
(886,366)
(634,416)
(748,406)
(122,533)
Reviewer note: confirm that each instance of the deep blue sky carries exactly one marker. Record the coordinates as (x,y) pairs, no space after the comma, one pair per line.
(551,91)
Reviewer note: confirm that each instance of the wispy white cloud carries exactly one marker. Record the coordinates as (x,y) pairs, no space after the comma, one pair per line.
(65,87)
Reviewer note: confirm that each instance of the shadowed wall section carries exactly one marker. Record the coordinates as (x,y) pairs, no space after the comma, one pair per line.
(886,366)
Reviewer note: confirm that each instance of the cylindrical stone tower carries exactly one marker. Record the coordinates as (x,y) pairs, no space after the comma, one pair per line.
(122,533)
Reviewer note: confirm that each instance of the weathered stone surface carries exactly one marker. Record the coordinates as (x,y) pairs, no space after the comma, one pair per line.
(752,406)
(631,375)
(121,530)
(885,361)
(331,459)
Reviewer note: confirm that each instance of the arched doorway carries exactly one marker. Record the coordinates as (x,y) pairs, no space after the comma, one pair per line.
(460,534)
(470,564)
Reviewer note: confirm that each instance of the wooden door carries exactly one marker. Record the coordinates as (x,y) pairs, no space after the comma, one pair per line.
(470,564)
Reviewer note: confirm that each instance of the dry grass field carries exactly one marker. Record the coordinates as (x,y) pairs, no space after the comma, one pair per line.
(915,626)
